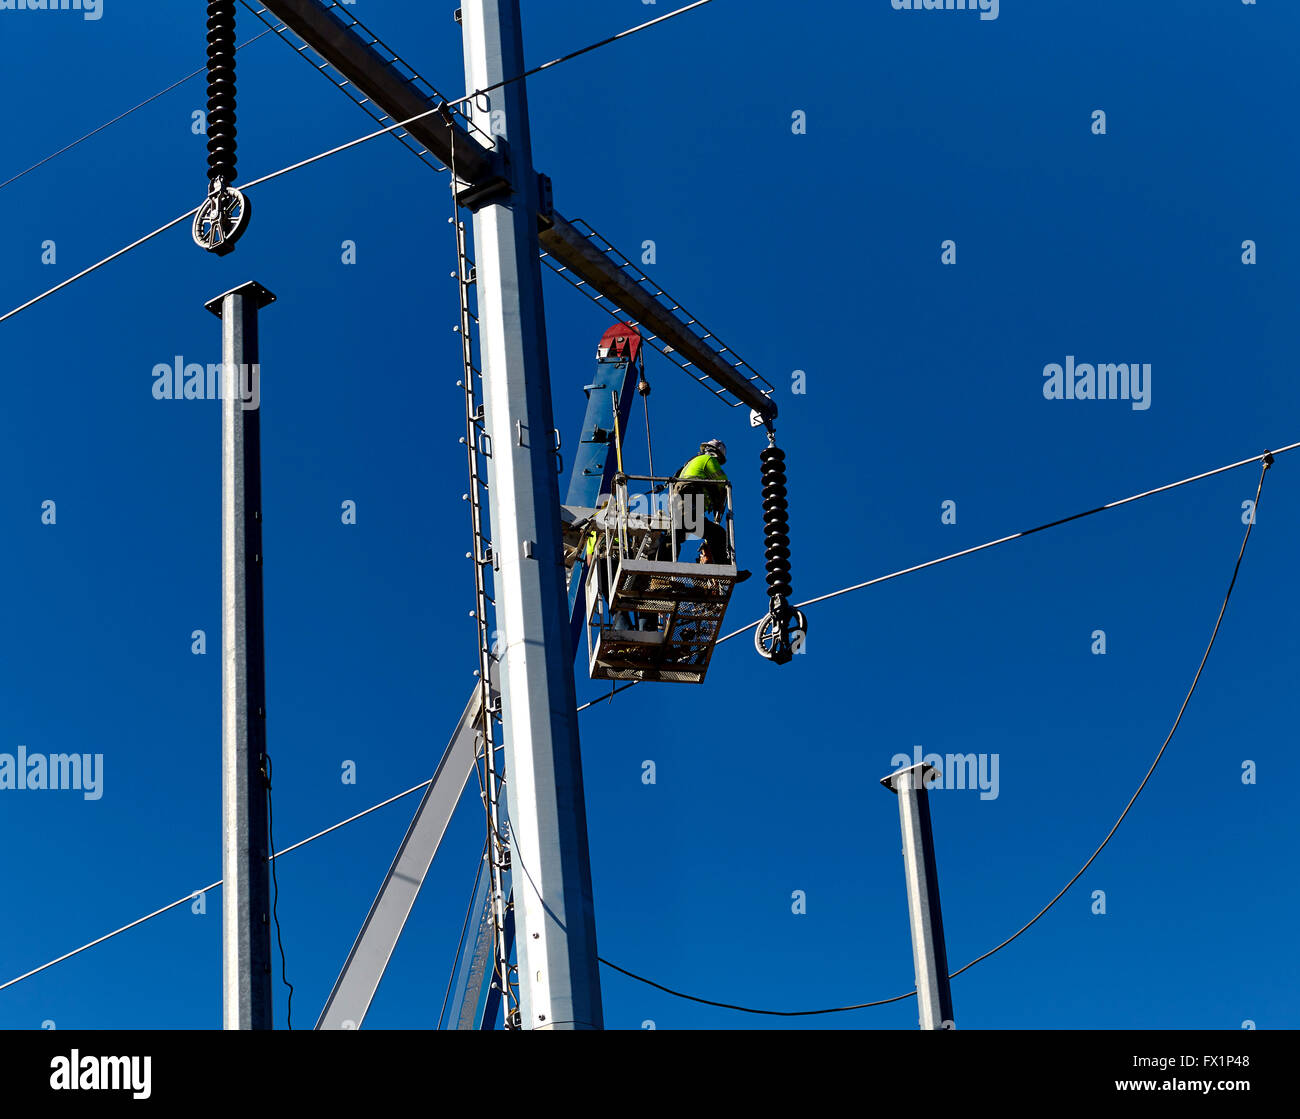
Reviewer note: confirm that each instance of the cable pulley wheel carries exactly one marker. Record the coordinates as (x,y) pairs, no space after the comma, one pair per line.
(222,220)
(778,639)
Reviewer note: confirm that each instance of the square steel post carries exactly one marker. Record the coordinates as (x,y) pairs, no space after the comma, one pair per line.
(559,979)
(929,955)
(246,891)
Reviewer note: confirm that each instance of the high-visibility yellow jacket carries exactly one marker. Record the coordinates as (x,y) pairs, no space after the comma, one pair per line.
(705,468)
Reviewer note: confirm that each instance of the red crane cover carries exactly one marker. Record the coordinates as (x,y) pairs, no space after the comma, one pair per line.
(621,342)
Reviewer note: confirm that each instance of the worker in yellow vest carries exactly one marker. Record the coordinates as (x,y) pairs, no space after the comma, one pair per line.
(699,491)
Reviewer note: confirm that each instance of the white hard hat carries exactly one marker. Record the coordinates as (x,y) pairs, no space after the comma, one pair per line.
(715,447)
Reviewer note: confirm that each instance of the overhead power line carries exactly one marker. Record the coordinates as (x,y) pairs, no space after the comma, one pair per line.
(1267,459)
(122,116)
(1266,456)
(335,151)
(1250,524)
(211,886)
(95,267)
(189,214)
(578,53)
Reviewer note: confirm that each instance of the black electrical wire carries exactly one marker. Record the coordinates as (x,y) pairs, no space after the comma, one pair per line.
(1267,459)
(275,882)
(1250,524)
(1267,462)
(749,1009)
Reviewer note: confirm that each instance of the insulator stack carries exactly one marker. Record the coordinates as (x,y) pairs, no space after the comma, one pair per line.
(223,217)
(221,91)
(776,523)
(780,635)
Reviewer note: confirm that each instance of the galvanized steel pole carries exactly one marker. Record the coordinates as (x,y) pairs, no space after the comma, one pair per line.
(933,996)
(246,893)
(559,979)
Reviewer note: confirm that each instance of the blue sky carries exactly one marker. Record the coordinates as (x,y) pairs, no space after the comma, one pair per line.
(817,252)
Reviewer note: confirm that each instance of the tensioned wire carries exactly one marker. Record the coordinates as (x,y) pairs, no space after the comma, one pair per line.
(442,108)
(1266,458)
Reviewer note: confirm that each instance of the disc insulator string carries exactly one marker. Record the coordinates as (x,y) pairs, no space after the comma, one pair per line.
(777,636)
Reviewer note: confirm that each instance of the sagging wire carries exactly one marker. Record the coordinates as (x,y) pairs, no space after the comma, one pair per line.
(275,883)
(1267,459)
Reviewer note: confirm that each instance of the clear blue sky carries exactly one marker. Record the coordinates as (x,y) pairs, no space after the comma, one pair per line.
(816,252)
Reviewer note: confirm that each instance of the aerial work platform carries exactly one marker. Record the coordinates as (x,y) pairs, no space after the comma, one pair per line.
(651,613)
